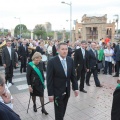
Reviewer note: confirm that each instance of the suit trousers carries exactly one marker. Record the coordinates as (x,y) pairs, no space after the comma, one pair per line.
(117,67)
(9,73)
(23,64)
(95,74)
(81,76)
(60,108)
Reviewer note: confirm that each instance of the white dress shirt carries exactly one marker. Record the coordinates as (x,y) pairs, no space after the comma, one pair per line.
(108,58)
(9,50)
(49,49)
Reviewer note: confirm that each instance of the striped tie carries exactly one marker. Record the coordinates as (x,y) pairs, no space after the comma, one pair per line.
(64,67)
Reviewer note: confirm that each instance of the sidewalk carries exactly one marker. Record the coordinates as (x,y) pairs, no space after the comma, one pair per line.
(95,105)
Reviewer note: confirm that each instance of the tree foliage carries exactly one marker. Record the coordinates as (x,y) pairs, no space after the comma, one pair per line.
(40,31)
(17,29)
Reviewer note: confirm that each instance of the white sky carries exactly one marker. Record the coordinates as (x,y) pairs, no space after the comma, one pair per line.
(34,12)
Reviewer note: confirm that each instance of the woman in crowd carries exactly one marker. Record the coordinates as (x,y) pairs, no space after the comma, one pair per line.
(35,80)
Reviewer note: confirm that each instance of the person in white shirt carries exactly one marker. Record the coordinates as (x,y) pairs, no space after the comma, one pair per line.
(49,50)
(108,59)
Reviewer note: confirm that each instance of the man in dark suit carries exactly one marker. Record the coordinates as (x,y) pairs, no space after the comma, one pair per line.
(5,112)
(60,70)
(54,48)
(9,60)
(41,50)
(69,49)
(23,54)
(93,58)
(117,55)
(81,64)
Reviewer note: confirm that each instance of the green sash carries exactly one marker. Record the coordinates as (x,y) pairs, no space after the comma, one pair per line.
(38,73)
(118,86)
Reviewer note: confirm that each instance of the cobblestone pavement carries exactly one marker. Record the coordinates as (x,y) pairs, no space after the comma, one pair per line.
(94,105)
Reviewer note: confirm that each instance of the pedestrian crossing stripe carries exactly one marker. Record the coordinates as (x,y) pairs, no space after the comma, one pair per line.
(22,87)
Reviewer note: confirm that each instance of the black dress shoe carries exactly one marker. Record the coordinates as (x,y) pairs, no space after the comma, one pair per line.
(116,76)
(34,108)
(105,73)
(83,91)
(98,85)
(12,83)
(44,112)
(87,84)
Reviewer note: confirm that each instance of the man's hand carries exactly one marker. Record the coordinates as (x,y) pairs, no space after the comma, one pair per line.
(16,64)
(4,65)
(6,97)
(87,70)
(30,89)
(76,92)
(51,98)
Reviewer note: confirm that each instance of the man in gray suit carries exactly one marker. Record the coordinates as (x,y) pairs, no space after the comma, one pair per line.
(9,60)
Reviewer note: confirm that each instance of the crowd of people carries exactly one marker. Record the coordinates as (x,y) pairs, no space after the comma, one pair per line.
(66,61)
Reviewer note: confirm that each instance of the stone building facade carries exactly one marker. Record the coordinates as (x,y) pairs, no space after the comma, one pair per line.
(94,28)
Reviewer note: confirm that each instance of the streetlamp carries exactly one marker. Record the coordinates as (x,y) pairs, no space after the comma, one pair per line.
(117,20)
(70,4)
(20,24)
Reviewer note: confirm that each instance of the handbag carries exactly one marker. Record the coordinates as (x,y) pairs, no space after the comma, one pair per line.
(100,65)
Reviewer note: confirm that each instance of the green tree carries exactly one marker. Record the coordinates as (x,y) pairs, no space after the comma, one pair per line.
(50,34)
(17,29)
(40,32)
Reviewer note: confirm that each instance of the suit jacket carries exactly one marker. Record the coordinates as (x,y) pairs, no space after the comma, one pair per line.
(69,51)
(6,57)
(38,49)
(56,78)
(54,51)
(7,114)
(22,52)
(117,53)
(79,62)
(92,59)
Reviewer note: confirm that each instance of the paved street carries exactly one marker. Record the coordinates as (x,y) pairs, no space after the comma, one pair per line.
(95,105)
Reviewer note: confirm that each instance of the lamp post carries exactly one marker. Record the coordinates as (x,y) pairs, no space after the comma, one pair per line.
(20,24)
(117,20)
(70,4)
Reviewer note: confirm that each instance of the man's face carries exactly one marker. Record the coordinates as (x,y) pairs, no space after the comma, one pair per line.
(8,44)
(93,45)
(63,51)
(24,42)
(83,45)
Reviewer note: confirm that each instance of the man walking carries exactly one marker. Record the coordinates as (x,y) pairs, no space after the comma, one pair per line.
(93,58)
(60,71)
(9,60)
(81,64)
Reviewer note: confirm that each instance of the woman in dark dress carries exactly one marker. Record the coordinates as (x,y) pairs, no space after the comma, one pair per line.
(35,80)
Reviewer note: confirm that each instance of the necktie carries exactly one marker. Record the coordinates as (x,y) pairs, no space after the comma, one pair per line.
(83,52)
(25,48)
(64,67)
